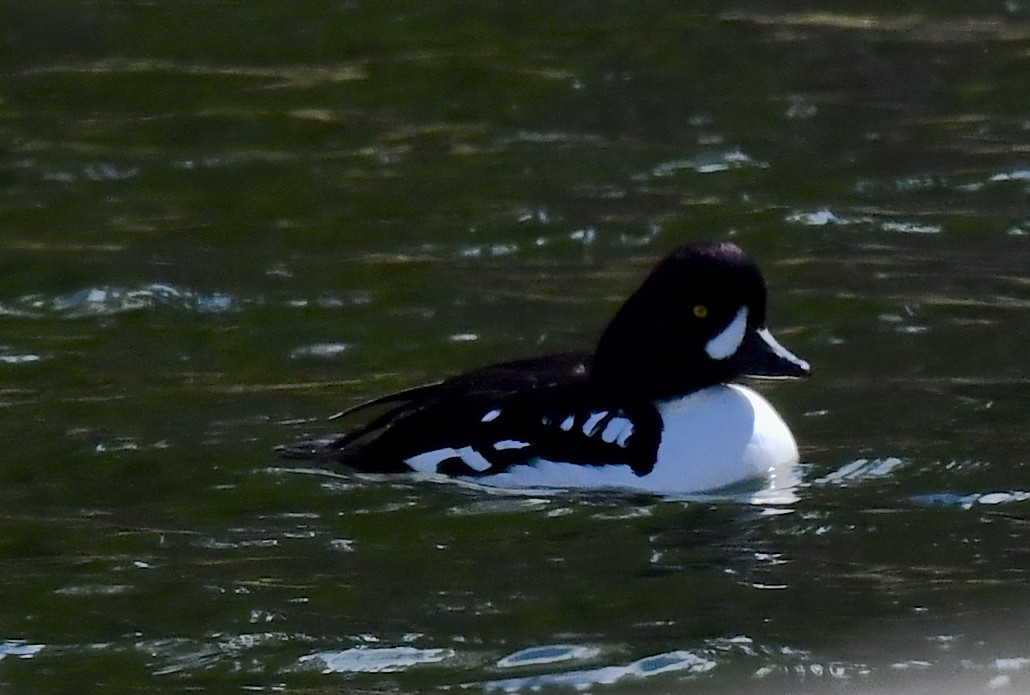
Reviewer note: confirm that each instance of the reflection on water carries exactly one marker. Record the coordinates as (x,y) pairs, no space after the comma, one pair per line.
(209,245)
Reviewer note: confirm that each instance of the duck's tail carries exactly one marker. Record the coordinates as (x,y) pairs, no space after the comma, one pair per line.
(313,449)
(345,447)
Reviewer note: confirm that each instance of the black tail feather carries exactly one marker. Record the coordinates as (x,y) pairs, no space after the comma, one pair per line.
(396,396)
(320,449)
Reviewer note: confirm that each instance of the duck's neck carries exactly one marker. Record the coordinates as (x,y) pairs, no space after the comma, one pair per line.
(652,368)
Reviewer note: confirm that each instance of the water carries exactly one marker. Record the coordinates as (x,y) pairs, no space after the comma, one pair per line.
(223,222)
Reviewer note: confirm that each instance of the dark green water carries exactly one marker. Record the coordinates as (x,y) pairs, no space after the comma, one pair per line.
(222,221)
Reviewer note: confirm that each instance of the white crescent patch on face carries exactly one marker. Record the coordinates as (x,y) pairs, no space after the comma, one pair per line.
(729,339)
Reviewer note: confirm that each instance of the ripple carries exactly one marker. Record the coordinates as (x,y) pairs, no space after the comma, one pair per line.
(107,301)
(216,544)
(669,662)
(94,590)
(550,138)
(708,163)
(966,183)
(180,654)
(968,501)
(500,504)
(319,351)
(19,649)
(332,301)
(129,444)
(860,470)
(376,659)
(95,171)
(16,358)
(490,250)
(1014,175)
(824,217)
(549,654)
(911,227)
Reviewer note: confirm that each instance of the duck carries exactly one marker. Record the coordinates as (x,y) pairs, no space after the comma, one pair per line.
(654,408)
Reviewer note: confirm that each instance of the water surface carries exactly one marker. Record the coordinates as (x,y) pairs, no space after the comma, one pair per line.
(223,222)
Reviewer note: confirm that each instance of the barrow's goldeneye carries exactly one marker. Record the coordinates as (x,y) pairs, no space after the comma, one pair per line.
(651,409)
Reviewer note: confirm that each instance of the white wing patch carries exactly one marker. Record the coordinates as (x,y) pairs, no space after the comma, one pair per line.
(726,343)
(623,438)
(618,430)
(590,426)
(612,426)
(473,459)
(510,444)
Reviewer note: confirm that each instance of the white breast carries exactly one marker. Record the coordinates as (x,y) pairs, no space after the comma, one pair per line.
(720,436)
(711,439)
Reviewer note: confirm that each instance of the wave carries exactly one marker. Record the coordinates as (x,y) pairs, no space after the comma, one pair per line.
(110,300)
(106,300)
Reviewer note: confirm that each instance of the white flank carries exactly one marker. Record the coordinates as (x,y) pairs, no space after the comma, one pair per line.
(430,460)
(427,462)
(720,436)
(726,343)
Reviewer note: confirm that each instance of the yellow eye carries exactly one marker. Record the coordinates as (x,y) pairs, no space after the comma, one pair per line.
(700,311)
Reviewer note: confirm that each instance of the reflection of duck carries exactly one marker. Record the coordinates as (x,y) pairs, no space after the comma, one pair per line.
(649,410)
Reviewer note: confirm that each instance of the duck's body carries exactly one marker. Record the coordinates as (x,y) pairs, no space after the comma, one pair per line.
(649,410)
(711,439)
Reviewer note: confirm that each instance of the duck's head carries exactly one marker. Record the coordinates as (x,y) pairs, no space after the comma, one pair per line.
(696,321)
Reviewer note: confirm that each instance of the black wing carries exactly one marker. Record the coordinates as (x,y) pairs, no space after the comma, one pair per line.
(493,381)
(485,421)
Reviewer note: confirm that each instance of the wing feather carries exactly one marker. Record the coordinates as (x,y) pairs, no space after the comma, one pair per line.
(488,420)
